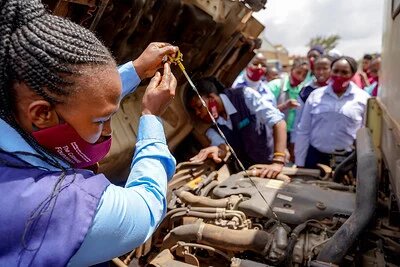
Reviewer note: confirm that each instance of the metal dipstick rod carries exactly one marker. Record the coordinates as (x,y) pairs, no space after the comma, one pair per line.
(178,61)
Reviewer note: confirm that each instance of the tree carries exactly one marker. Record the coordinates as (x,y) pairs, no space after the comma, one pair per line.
(327,42)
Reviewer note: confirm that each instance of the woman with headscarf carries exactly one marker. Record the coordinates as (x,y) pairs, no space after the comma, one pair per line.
(331,117)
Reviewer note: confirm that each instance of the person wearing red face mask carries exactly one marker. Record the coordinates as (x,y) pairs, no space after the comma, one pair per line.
(253,126)
(286,91)
(322,71)
(331,117)
(374,70)
(361,78)
(313,54)
(254,77)
(59,89)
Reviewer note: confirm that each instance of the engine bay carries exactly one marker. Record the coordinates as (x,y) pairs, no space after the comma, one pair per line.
(219,218)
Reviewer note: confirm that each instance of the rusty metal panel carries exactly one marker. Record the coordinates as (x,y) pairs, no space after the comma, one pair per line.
(216,38)
(386,137)
(374,123)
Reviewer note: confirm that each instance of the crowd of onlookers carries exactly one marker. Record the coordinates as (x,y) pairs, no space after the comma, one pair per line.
(305,116)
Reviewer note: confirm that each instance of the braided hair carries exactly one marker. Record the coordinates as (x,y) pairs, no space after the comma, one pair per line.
(42,51)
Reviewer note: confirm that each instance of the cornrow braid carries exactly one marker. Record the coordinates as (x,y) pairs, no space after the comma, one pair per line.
(40,50)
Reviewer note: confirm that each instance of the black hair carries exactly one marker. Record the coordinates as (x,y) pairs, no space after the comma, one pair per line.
(324,57)
(298,62)
(205,86)
(352,62)
(367,57)
(42,51)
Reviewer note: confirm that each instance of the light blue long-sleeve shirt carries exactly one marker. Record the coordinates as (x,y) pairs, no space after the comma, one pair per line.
(265,112)
(125,217)
(329,122)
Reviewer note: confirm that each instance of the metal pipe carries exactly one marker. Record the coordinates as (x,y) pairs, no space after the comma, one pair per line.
(204,215)
(236,262)
(344,167)
(194,245)
(343,239)
(210,178)
(201,209)
(208,234)
(204,192)
(193,200)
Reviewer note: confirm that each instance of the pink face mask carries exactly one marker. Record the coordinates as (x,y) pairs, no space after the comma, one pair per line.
(64,141)
(255,74)
(339,84)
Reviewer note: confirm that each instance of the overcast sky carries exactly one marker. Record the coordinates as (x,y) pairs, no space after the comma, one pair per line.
(293,23)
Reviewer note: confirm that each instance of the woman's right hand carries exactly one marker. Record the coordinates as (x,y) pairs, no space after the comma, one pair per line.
(212,152)
(290,103)
(159,93)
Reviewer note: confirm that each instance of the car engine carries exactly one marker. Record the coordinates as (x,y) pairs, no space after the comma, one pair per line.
(216,215)
(303,218)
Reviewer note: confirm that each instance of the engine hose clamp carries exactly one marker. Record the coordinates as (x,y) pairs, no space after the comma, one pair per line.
(199,234)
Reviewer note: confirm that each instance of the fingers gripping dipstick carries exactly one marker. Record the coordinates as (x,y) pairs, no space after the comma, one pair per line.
(177,60)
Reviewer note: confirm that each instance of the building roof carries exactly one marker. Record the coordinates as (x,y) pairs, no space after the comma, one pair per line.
(267,45)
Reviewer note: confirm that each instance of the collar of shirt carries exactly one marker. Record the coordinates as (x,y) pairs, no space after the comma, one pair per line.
(229,109)
(349,90)
(255,85)
(15,143)
(288,87)
(313,83)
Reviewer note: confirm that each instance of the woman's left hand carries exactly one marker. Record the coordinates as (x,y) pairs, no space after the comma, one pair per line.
(271,171)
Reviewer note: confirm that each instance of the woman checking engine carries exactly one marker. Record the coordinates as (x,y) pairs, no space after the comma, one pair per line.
(59,87)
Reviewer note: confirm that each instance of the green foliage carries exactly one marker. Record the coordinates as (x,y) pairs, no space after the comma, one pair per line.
(327,42)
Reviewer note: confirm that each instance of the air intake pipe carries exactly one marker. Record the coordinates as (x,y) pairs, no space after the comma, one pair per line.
(235,240)
(340,243)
